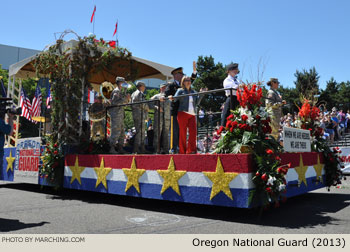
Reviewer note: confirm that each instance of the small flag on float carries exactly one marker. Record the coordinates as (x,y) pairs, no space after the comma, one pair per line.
(116,28)
(49,97)
(93,14)
(36,103)
(25,105)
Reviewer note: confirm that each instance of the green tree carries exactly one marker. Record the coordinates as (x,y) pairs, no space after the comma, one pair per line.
(210,75)
(343,96)
(307,83)
(292,97)
(328,97)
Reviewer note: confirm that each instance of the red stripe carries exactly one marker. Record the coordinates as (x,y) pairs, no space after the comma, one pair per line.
(309,158)
(241,163)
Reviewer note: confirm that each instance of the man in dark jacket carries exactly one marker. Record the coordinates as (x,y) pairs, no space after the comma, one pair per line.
(171,90)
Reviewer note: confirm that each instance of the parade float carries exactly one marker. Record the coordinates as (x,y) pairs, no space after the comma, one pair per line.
(248,169)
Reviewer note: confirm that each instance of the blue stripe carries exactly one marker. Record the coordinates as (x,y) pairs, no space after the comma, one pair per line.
(7,176)
(198,195)
(311,186)
(189,194)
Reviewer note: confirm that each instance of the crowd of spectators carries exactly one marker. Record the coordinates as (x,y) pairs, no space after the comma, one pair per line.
(334,123)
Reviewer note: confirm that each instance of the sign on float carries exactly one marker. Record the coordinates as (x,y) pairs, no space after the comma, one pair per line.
(296,140)
(27,160)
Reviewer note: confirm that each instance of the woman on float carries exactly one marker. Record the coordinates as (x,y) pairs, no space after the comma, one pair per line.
(187,116)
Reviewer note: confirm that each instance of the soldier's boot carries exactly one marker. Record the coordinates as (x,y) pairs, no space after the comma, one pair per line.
(120,149)
(112,150)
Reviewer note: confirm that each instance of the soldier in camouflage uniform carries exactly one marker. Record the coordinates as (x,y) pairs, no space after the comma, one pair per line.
(164,123)
(274,100)
(118,97)
(139,114)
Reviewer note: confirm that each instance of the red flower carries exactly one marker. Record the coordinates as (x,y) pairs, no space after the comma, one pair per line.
(257,117)
(55,152)
(244,117)
(268,189)
(228,124)
(234,124)
(220,130)
(242,126)
(269,151)
(264,177)
(250,96)
(279,169)
(230,117)
(55,145)
(257,174)
(112,43)
(278,158)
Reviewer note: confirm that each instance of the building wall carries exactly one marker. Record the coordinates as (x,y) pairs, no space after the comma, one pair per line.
(11,54)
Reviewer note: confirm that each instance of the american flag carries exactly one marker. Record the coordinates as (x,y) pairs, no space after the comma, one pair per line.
(25,105)
(36,103)
(49,97)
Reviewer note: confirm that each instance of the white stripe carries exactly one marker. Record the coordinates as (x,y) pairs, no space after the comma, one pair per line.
(292,175)
(193,179)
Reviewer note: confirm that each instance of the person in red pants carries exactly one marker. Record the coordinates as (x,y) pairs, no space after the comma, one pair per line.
(186,116)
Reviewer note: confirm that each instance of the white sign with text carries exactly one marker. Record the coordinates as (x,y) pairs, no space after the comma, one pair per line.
(296,140)
(345,158)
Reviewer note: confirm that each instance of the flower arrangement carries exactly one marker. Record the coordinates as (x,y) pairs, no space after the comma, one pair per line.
(309,120)
(52,162)
(249,125)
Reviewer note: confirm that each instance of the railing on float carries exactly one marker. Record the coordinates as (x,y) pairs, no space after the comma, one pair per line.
(157,101)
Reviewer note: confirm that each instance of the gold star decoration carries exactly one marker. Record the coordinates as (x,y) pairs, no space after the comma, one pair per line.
(10,161)
(318,169)
(133,175)
(76,171)
(102,173)
(171,177)
(301,170)
(221,180)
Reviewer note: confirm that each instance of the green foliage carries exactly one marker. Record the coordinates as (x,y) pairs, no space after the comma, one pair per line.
(210,75)
(151,92)
(292,97)
(53,161)
(307,83)
(128,120)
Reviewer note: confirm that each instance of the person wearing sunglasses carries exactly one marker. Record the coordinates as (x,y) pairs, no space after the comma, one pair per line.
(186,116)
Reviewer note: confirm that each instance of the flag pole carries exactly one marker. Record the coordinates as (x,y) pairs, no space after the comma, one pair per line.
(116,34)
(93,23)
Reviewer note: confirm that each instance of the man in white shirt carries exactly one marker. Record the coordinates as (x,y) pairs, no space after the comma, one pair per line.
(231,81)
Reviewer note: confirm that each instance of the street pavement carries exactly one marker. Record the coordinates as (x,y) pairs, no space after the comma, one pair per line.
(30,209)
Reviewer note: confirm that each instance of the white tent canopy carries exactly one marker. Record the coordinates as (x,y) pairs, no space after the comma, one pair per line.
(146,69)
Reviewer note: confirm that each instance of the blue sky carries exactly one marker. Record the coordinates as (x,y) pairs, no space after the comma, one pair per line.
(283,35)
